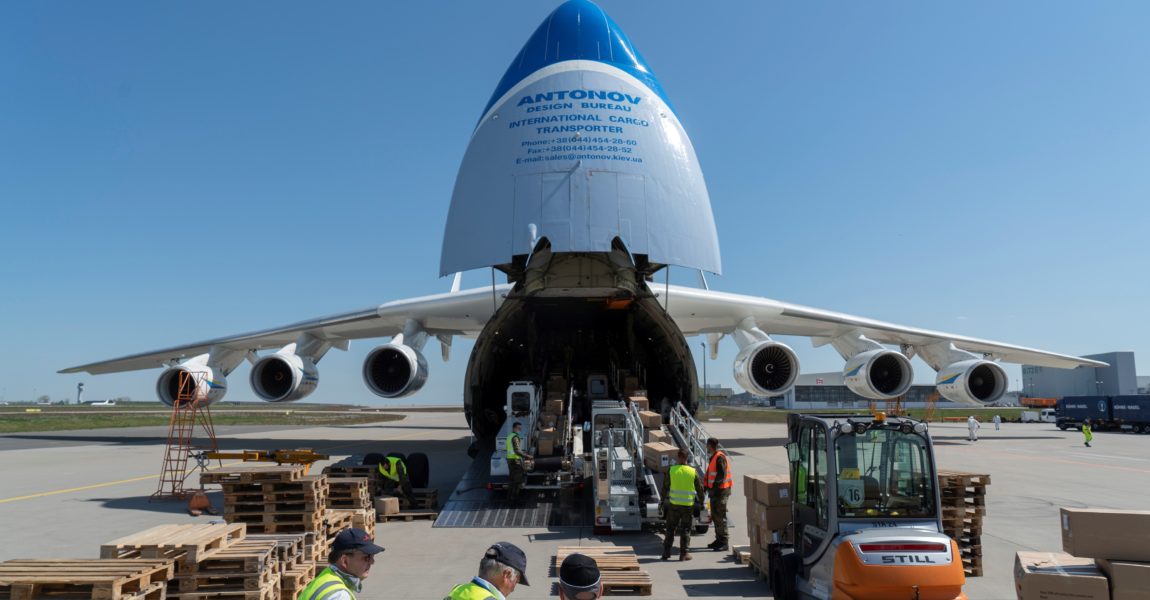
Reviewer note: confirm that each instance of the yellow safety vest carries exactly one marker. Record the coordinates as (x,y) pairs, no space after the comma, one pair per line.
(324,585)
(682,485)
(394,465)
(511,455)
(470,591)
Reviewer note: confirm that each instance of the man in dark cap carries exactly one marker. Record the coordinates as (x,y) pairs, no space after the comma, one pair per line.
(351,557)
(502,567)
(579,578)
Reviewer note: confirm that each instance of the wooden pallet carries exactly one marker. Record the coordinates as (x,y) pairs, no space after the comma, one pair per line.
(408,515)
(289,549)
(95,579)
(741,555)
(187,544)
(246,556)
(295,579)
(950,478)
(283,528)
(224,582)
(271,591)
(306,488)
(616,583)
(609,558)
(254,474)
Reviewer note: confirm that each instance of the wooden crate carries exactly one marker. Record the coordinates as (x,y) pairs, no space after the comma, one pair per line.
(94,579)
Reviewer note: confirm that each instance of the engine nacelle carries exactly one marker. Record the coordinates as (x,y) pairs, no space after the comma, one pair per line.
(878,374)
(766,368)
(971,381)
(284,377)
(394,370)
(191,380)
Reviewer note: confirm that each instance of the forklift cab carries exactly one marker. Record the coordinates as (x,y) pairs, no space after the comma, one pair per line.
(854,472)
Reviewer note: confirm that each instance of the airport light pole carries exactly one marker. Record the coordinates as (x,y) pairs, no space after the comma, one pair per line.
(704,345)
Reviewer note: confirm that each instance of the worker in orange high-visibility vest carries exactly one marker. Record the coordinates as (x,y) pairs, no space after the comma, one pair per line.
(718,484)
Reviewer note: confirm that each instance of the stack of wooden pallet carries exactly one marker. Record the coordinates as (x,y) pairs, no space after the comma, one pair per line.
(353,466)
(349,504)
(207,562)
(618,567)
(294,552)
(94,579)
(268,499)
(963,508)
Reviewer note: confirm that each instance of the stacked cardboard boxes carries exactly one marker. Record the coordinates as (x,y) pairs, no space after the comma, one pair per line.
(768,513)
(1106,556)
(660,456)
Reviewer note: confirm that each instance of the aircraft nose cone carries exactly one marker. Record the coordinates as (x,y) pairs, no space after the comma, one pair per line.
(577,30)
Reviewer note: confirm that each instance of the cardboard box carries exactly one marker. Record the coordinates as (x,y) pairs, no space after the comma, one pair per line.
(553,406)
(386,505)
(658,435)
(775,518)
(1128,580)
(630,384)
(651,420)
(548,420)
(772,490)
(546,446)
(1122,535)
(640,401)
(1055,575)
(556,384)
(659,456)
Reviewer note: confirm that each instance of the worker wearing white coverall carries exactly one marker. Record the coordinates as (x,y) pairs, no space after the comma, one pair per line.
(972,425)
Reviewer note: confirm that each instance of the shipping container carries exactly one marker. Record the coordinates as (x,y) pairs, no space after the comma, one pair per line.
(1131,413)
(1074,410)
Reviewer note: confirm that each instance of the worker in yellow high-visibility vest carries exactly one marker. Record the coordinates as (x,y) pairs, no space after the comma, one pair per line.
(682,491)
(515,462)
(351,558)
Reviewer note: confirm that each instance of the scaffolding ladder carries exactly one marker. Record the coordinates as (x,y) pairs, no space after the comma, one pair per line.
(190,407)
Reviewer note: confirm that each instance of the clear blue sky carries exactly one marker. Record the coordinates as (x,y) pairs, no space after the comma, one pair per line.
(171,172)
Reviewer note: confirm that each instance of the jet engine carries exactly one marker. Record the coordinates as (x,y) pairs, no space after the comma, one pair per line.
(394,370)
(284,377)
(766,368)
(878,374)
(973,381)
(192,379)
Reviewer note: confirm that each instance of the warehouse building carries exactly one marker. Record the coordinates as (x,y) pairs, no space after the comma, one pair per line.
(1118,379)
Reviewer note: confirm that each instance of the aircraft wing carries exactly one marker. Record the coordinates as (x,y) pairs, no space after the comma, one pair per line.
(700,311)
(462,313)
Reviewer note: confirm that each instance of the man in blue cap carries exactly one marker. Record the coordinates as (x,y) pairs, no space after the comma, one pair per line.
(502,567)
(351,557)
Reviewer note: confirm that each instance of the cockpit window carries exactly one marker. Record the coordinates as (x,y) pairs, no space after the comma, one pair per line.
(884,472)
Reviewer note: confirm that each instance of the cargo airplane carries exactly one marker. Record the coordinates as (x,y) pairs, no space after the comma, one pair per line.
(580,185)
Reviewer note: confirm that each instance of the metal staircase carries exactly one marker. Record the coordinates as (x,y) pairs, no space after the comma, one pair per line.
(190,407)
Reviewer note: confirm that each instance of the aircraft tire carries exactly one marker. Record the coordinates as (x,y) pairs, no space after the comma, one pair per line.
(372,458)
(418,469)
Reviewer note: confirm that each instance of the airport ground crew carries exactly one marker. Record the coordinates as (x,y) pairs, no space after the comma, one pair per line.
(502,567)
(1087,432)
(997,422)
(682,491)
(972,425)
(515,462)
(579,578)
(351,557)
(718,484)
(395,480)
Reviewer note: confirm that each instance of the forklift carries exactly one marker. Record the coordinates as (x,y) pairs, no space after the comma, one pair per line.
(866,518)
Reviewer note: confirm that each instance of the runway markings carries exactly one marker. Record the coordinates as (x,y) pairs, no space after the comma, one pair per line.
(146,477)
